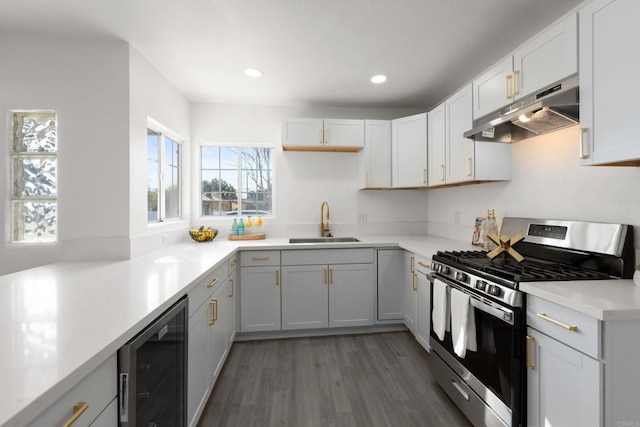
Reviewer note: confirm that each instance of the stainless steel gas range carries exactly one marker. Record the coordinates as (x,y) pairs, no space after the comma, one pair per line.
(478,313)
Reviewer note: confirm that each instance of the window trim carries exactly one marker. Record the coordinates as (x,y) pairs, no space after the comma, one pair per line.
(163,133)
(198,173)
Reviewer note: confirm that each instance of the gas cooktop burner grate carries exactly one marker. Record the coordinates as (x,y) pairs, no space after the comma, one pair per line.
(529,270)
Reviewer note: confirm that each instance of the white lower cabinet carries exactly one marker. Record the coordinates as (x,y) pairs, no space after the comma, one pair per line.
(320,294)
(93,395)
(260,299)
(410,292)
(423,284)
(390,284)
(305,297)
(563,384)
(211,310)
(581,371)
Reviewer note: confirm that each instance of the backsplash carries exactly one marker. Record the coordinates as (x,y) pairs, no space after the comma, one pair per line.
(547,182)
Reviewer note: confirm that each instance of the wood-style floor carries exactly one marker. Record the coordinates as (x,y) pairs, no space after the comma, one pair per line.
(380,379)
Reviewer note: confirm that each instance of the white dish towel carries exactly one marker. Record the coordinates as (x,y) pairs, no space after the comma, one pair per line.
(463,324)
(440,313)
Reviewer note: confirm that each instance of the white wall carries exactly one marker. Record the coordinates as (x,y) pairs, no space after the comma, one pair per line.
(152,96)
(547,182)
(85,82)
(303,180)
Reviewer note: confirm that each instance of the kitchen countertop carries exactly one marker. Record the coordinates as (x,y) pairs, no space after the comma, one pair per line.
(61,321)
(602,299)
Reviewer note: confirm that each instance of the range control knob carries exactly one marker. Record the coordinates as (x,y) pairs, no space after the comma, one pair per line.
(494,290)
(481,285)
(462,277)
(434,266)
(444,269)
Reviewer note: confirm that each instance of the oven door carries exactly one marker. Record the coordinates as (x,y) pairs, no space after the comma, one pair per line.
(494,371)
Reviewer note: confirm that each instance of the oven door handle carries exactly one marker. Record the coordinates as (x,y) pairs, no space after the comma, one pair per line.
(500,313)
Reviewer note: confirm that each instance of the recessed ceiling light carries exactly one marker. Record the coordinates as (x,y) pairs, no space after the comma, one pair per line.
(252,72)
(380,78)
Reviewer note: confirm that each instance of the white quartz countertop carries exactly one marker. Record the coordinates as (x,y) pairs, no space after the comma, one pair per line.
(61,321)
(602,299)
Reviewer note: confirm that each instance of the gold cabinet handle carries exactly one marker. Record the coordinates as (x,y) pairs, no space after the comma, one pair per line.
(413,264)
(325,136)
(78,409)
(230,288)
(260,258)
(516,73)
(572,328)
(583,153)
(507,86)
(213,282)
(324,270)
(415,285)
(234,262)
(442,173)
(321,136)
(214,313)
(277,277)
(330,276)
(423,264)
(368,179)
(469,164)
(424,176)
(530,364)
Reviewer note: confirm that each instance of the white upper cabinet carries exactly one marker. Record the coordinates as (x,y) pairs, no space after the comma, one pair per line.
(459,150)
(377,154)
(492,89)
(545,59)
(609,97)
(409,151)
(308,134)
(455,159)
(550,56)
(437,141)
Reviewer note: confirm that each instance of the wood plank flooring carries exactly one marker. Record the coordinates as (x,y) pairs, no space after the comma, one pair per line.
(378,379)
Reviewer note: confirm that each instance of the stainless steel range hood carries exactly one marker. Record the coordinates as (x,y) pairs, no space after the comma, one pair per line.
(553,108)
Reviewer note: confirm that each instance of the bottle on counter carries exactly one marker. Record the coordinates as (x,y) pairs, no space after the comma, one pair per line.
(234,227)
(241,227)
(490,226)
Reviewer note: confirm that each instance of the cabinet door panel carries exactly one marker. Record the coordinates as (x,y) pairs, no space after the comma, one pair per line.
(390,284)
(351,295)
(218,330)
(563,387)
(424,311)
(437,142)
(547,58)
(609,106)
(410,292)
(344,133)
(460,155)
(377,154)
(305,297)
(409,146)
(200,370)
(259,299)
(489,92)
(302,132)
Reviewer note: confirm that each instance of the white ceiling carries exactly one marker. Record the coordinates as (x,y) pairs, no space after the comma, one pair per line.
(312,52)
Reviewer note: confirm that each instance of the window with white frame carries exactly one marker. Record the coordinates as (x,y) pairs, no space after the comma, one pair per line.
(236,180)
(164,187)
(34,158)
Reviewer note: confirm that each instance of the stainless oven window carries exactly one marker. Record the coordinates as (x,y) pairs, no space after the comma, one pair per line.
(497,361)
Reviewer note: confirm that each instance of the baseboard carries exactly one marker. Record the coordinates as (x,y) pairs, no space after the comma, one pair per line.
(252,336)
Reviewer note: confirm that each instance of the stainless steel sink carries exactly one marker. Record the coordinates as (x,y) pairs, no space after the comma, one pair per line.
(323,240)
